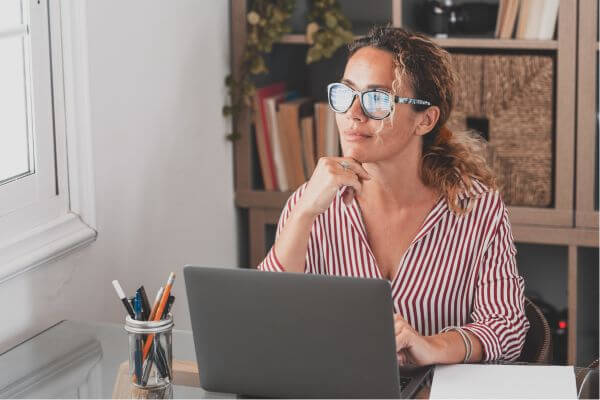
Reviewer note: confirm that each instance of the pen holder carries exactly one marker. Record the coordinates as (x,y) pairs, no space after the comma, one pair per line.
(152,339)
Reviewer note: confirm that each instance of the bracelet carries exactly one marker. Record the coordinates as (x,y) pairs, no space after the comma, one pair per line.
(466,340)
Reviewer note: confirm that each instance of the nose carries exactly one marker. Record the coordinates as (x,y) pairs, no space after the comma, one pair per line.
(355,112)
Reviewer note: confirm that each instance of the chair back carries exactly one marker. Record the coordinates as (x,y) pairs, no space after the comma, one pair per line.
(538,342)
(588,381)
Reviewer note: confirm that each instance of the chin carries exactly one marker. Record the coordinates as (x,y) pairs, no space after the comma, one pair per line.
(359,155)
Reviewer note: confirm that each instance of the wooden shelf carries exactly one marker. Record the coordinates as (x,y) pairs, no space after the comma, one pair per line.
(467,43)
(261,199)
(485,43)
(541,234)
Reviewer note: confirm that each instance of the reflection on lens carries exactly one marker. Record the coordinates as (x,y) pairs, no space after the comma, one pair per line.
(377,104)
(340,97)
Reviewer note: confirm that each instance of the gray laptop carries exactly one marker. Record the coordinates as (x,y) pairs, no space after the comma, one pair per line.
(271,334)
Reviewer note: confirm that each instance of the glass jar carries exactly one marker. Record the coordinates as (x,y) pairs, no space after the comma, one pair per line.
(150,352)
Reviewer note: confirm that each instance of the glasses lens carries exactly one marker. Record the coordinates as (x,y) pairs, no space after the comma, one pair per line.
(340,97)
(377,104)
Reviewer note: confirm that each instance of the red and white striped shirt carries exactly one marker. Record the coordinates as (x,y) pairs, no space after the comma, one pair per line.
(458,270)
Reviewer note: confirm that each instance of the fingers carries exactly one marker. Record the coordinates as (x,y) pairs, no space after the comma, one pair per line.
(354,166)
(349,179)
(402,340)
(402,357)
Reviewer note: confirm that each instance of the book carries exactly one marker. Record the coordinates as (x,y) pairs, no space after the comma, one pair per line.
(284,176)
(327,137)
(263,141)
(308,145)
(500,17)
(529,19)
(548,19)
(289,116)
(511,9)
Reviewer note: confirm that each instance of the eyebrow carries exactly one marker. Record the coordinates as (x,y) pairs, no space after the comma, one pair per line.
(372,86)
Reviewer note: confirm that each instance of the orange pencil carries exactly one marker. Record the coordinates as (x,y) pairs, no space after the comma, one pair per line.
(159,311)
(156,302)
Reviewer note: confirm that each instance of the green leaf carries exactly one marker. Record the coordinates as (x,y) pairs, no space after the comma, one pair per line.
(233,136)
(330,20)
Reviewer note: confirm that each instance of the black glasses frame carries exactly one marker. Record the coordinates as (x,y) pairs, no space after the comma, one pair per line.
(397,99)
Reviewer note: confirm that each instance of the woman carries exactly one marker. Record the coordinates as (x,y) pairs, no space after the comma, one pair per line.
(413,203)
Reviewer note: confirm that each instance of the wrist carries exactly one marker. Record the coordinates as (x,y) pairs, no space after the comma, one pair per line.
(437,349)
(303,212)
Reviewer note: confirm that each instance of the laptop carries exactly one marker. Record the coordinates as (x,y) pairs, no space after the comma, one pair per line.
(281,334)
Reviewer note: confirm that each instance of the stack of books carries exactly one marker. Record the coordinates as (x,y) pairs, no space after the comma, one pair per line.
(292,133)
(527,19)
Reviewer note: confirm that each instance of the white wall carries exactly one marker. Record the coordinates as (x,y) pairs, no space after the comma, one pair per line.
(164,172)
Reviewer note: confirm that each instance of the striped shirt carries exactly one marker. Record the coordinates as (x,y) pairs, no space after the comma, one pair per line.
(458,270)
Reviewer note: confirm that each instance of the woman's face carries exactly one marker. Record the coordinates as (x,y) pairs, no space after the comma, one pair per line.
(374,68)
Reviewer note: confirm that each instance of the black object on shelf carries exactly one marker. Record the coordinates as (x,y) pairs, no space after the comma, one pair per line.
(558,322)
(444,18)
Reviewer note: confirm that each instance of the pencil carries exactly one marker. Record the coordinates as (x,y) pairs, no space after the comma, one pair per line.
(156,302)
(153,354)
(159,311)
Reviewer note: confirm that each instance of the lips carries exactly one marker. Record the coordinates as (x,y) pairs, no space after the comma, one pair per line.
(354,136)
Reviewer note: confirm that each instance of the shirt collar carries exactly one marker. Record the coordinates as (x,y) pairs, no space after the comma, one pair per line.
(476,190)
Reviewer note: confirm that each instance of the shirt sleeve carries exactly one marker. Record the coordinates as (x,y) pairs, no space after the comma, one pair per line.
(271,261)
(498,314)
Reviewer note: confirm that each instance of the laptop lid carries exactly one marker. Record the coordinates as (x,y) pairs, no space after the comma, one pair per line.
(292,335)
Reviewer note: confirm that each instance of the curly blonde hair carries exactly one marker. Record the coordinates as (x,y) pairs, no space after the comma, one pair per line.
(451,161)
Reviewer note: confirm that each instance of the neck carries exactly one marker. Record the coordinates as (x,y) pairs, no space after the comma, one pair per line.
(396,183)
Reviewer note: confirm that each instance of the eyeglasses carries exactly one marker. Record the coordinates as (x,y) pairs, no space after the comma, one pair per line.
(375,103)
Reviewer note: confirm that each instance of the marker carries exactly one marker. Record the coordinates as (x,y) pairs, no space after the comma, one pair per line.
(123,298)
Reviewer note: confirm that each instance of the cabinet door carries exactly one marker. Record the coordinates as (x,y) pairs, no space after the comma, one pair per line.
(586,215)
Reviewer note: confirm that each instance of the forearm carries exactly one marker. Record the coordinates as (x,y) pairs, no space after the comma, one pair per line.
(292,242)
(450,348)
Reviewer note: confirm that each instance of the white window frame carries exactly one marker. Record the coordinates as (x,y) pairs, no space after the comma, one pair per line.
(57,225)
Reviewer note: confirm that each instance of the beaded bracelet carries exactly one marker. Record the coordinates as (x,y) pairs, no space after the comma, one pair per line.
(466,339)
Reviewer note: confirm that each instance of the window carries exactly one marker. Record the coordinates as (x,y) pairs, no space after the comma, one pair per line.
(43,81)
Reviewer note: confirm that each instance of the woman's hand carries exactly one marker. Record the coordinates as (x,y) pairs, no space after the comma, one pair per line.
(412,347)
(329,176)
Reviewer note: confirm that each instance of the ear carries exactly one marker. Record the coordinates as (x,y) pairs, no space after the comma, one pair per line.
(426,120)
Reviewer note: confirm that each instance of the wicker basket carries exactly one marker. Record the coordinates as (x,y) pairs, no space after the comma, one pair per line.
(516,94)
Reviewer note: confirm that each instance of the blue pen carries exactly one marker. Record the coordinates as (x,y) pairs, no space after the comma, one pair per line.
(137,309)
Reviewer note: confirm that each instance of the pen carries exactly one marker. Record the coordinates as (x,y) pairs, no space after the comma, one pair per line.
(123,298)
(145,303)
(159,311)
(137,302)
(159,363)
(168,306)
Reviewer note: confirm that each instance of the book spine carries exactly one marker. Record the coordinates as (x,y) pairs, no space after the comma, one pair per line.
(263,150)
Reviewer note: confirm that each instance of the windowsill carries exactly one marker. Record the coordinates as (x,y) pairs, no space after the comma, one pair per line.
(43,244)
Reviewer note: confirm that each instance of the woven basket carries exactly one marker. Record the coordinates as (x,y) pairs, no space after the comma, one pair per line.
(516,94)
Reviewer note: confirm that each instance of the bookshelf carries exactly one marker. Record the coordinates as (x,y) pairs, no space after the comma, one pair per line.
(571,222)
(467,43)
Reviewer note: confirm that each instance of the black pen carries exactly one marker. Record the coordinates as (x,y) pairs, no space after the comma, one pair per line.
(168,306)
(137,302)
(123,298)
(145,303)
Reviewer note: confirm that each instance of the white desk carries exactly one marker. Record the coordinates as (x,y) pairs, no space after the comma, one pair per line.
(80,360)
